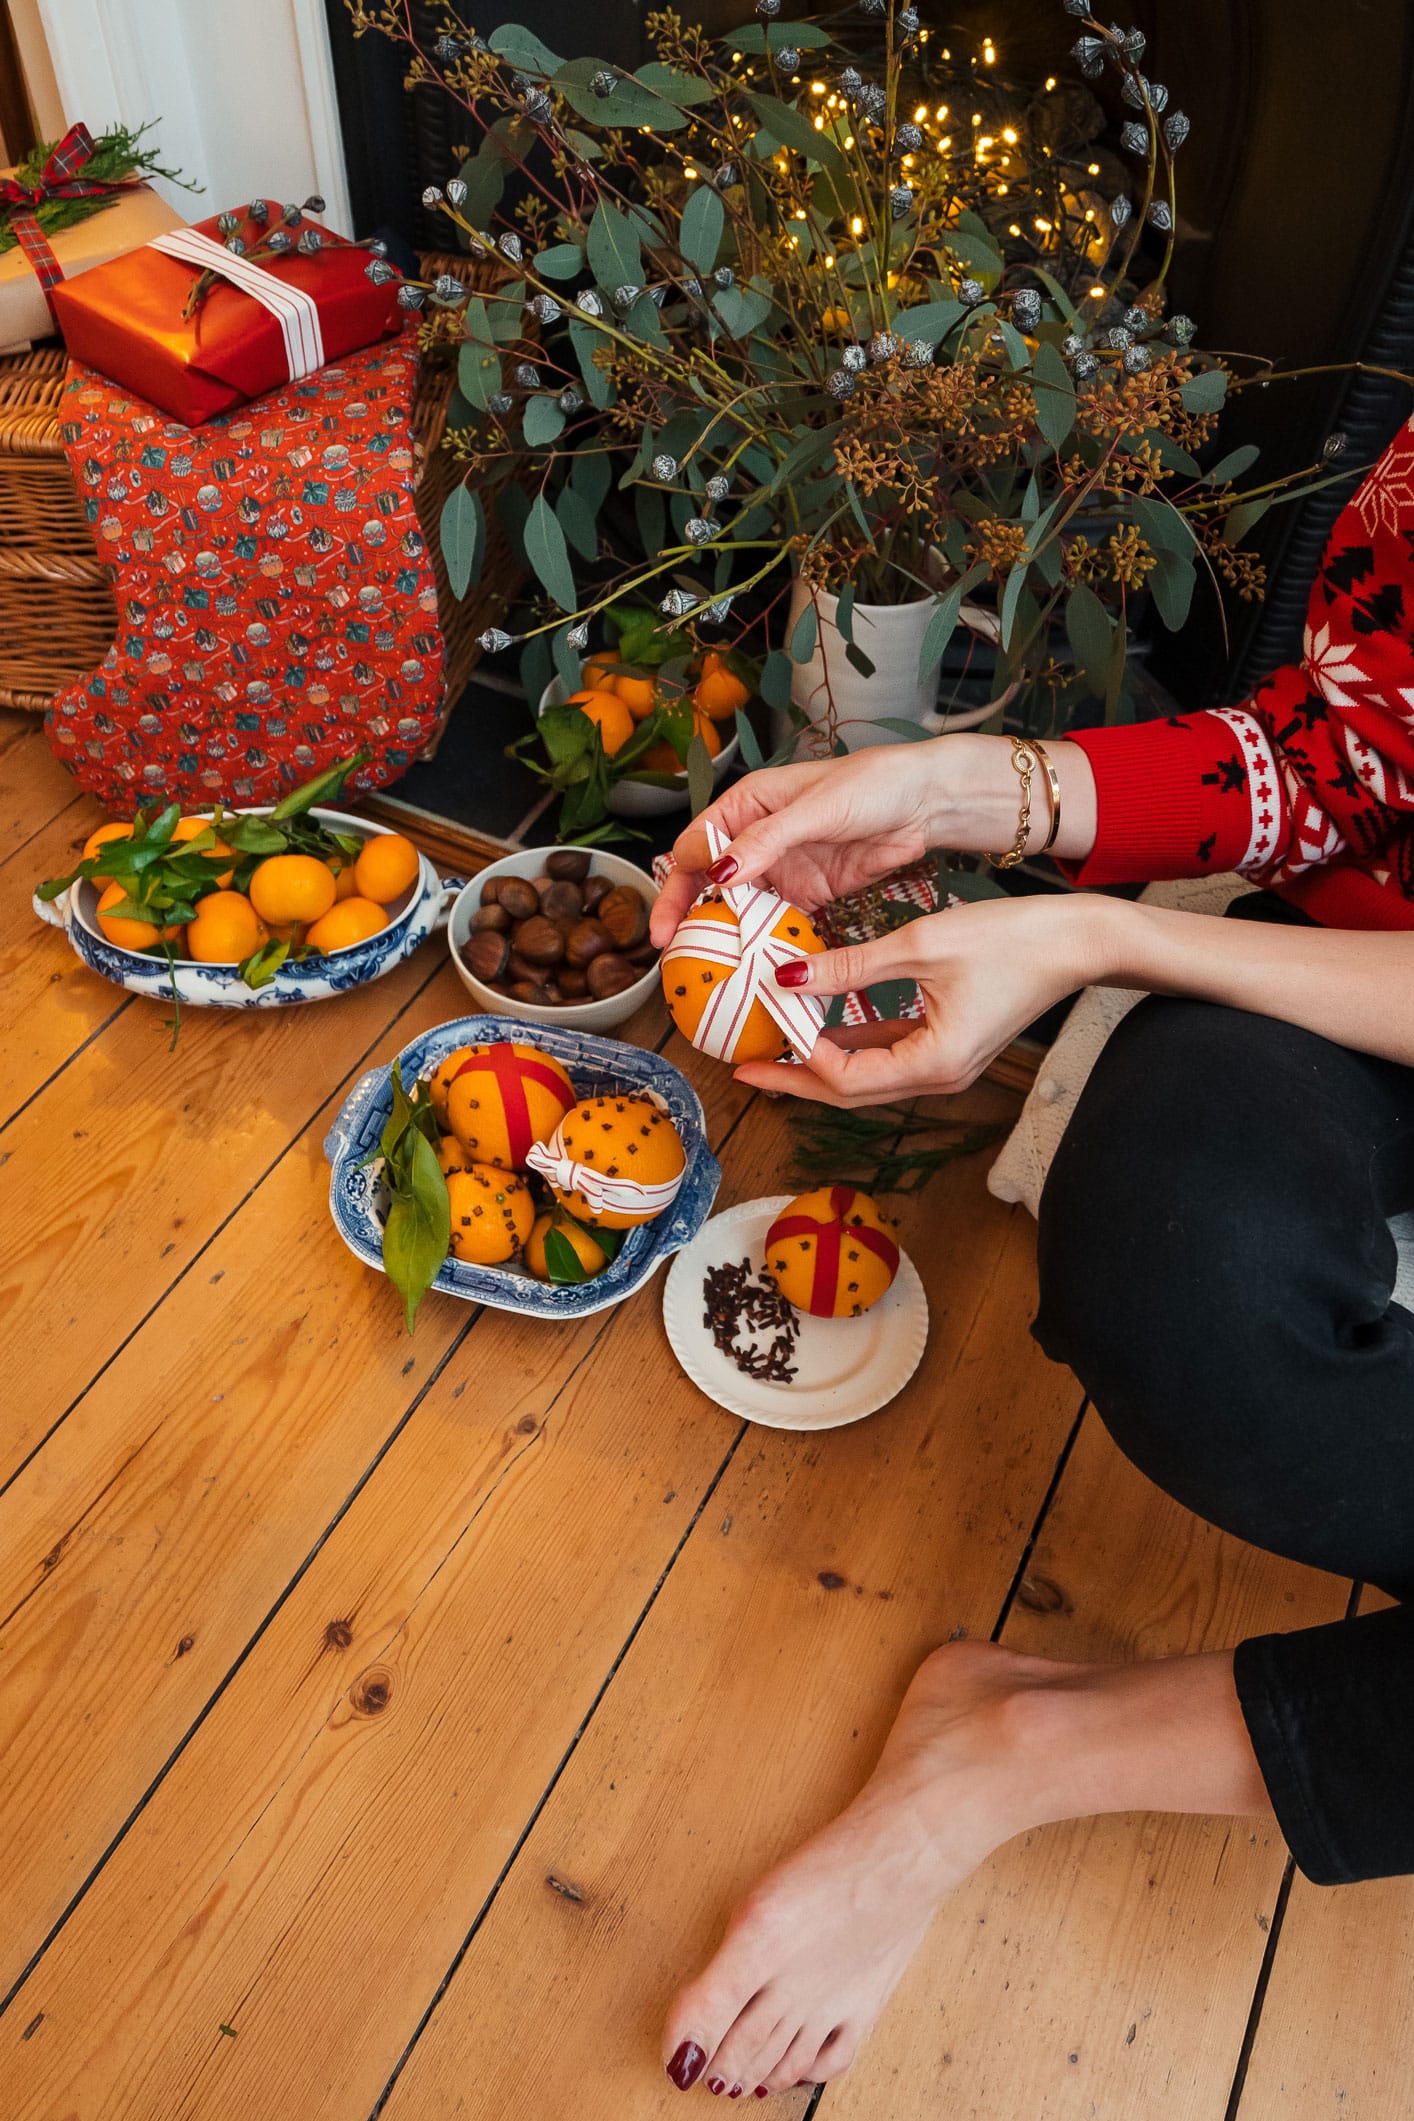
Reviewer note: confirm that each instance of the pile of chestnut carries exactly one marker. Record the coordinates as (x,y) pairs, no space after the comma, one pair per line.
(566,936)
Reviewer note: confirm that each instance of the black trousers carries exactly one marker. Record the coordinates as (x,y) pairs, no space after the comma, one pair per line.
(1216,1268)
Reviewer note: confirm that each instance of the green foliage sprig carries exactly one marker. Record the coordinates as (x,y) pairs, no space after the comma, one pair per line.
(118,155)
(417,1230)
(885,1149)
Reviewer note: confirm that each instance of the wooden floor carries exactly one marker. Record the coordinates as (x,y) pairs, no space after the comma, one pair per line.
(386,1726)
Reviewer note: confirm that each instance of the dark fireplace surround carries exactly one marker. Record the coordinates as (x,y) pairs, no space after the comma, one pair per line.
(1297,208)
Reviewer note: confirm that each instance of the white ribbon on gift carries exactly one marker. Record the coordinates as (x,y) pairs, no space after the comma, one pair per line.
(621,1196)
(752,953)
(295,311)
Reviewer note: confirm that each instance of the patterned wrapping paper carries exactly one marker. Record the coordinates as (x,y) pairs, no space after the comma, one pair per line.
(277,607)
(861,918)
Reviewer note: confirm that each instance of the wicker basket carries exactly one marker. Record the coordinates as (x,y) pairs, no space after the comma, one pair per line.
(57,615)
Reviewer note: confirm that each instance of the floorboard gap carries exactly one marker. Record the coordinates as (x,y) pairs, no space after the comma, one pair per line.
(1040,1518)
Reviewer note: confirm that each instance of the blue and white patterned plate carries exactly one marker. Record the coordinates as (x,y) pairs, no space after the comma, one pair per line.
(422,909)
(597,1067)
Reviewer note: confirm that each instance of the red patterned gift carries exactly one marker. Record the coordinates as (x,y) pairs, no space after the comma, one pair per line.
(206,318)
(276,605)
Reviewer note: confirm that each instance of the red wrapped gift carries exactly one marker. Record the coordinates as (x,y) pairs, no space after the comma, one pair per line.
(263,323)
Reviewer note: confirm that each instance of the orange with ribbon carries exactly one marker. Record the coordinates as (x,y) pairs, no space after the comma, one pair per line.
(830,1253)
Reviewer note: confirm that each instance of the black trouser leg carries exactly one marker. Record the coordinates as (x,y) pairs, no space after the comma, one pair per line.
(1216,1268)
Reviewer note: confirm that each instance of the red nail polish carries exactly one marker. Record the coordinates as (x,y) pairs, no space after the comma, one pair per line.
(761,2092)
(735,2092)
(687,2065)
(795,974)
(716,2086)
(723,871)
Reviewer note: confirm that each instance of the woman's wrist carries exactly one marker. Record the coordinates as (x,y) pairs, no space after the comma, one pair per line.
(974,797)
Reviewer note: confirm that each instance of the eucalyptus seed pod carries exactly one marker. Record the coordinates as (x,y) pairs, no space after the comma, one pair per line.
(578,638)
(919,353)
(908,138)
(1071,345)
(545,308)
(854,359)
(1116,338)
(1089,56)
(236,245)
(527,375)
(501,404)
(768,9)
(851,81)
(1176,130)
(717,487)
(724,276)
(788,58)
(1121,210)
(448,50)
(510,247)
(698,531)
(227,224)
(432,196)
(1160,215)
(665,468)
(900,200)
(410,297)
(716,613)
(310,244)
(538,107)
(726,176)
(447,289)
(1134,137)
(570,402)
(1085,367)
(882,346)
(258,211)
(909,21)
(314,204)
(494,640)
(456,191)
(1137,318)
(971,292)
(293,215)
(872,100)
(840,383)
(588,304)
(676,604)
(1136,360)
(624,297)
(281,240)
(603,83)
(1026,308)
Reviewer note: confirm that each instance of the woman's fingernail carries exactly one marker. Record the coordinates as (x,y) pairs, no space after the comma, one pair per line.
(723,871)
(687,2065)
(795,974)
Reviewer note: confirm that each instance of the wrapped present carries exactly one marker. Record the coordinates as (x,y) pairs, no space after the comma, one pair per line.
(197,327)
(132,214)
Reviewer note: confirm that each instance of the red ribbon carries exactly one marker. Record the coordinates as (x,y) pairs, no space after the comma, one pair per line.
(511,1073)
(59,179)
(828,1235)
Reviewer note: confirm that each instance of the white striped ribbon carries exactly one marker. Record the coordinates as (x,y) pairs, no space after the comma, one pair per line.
(752,953)
(296,312)
(621,1196)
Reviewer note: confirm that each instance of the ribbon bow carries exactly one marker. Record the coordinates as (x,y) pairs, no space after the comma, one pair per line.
(623,1196)
(752,952)
(60,178)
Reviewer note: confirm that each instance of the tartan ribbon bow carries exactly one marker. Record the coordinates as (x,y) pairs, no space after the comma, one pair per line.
(60,178)
(752,952)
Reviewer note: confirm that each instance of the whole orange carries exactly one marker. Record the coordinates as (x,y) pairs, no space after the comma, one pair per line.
(609,716)
(662,758)
(345,879)
(101,837)
(191,828)
(493,1213)
(599,670)
(292,887)
(386,867)
(128,934)
(350,921)
(720,691)
(639,695)
(226,931)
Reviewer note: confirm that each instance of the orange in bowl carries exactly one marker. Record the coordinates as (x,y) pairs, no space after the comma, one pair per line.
(385,868)
(348,921)
(610,717)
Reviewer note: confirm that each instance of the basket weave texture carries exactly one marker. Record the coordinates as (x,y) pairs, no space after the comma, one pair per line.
(57,614)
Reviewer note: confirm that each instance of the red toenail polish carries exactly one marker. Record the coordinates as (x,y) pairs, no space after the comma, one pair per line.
(723,871)
(761,2092)
(687,2065)
(735,2092)
(795,974)
(716,2086)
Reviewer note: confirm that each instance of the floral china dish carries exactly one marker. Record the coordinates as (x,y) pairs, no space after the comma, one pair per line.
(421,909)
(597,1067)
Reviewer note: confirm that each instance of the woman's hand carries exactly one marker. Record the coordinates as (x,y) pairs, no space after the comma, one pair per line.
(819,830)
(986,971)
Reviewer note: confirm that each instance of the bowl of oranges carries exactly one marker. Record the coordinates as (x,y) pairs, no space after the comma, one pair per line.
(491,1091)
(247,909)
(649,713)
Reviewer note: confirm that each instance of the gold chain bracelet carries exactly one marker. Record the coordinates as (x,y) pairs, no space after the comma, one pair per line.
(1026,755)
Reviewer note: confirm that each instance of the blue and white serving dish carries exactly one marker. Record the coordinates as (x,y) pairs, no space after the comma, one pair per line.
(418,913)
(597,1067)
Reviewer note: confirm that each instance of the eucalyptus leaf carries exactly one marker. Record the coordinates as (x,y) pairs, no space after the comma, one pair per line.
(795,130)
(746,738)
(585,339)
(615,255)
(944,621)
(545,549)
(1054,393)
(462,531)
(1204,392)
(805,634)
(1238,521)
(684,90)
(703,219)
(1171,584)
(1232,465)
(542,421)
(523,50)
(776,677)
(1090,631)
(577,520)
(701,782)
(560,262)
(478,374)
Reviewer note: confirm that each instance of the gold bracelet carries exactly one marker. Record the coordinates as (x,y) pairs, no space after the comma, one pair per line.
(1053,783)
(1026,755)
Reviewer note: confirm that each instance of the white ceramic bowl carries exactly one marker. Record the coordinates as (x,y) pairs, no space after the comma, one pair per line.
(414,916)
(641,798)
(576,1016)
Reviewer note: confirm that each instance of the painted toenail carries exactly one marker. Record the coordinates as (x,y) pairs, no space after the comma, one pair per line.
(735,2092)
(716,2086)
(761,2092)
(687,2065)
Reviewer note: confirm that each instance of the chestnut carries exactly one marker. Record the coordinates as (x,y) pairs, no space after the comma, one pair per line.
(486,954)
(625,915)
(561,900)
(519,897)
(596,890)
(529,990)
(568,865)
(491,916)
(587,939)
(611,974)
(538,941)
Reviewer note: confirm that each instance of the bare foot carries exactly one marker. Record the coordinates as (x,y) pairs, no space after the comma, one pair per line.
(812,1956)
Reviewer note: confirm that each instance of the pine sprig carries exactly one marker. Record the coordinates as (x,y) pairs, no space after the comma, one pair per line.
(117,155)
(885,1149)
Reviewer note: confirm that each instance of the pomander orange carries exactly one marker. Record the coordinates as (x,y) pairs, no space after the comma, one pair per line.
(348,921)
(624,1135)
(590,1255)
(292,887)
(689,981)
(440,1080)
(503,1098)
(609,716)
(126,933)
(492,1214)
(831,1252)
(451,1156)
(388,864)
(226,931)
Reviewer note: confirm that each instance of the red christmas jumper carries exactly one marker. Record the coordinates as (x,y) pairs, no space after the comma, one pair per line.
(1308,789)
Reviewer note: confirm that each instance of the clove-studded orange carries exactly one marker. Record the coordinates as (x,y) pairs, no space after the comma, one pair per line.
(501,1099)
(831,1252)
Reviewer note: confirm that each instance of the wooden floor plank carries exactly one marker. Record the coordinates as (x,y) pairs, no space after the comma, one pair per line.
(34,787)
(308,1869)
(172,1143)
(1103,1967)
(1336,2030)
(757,1690)
(50,1002)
